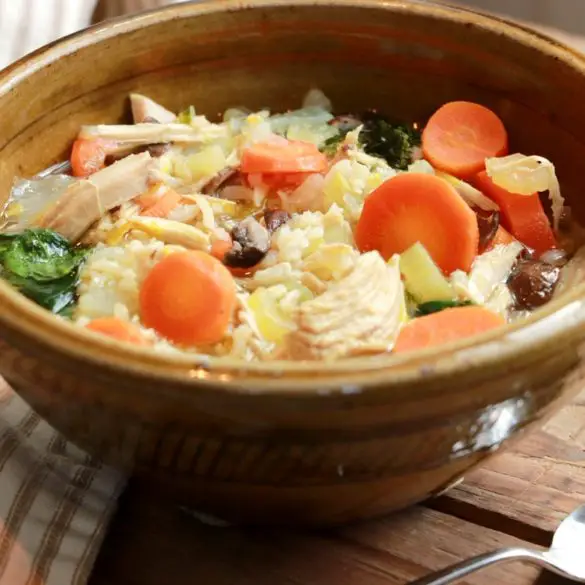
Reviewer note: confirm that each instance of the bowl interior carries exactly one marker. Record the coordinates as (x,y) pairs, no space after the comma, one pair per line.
(402,58)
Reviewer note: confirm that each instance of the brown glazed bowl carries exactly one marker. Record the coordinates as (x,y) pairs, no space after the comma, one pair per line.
(296,443)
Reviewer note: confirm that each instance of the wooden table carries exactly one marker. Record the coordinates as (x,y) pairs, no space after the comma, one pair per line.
(519,498)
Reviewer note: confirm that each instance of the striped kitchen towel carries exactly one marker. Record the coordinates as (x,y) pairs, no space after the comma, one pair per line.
(55,501)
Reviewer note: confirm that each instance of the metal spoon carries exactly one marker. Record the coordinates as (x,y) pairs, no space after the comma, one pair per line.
(565,557)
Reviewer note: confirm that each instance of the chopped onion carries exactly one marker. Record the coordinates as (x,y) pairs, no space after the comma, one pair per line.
(525,175)
(472,196)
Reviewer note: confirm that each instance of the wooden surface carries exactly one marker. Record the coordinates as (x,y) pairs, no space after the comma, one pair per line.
(517,499)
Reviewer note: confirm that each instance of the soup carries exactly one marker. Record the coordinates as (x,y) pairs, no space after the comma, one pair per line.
(303,235)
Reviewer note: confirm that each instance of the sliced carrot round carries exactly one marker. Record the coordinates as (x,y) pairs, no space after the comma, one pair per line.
(423,208)
(89,156)
(117,329)
(522,215)
(283,156)
(502,238)
(163,205)
(461,135)
(189,298)
(445,327)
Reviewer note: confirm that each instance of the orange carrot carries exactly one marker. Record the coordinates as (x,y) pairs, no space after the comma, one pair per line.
(189,298)
(89,156)
(522,215)
(117,329)
(460,136)
(423,208)
(163,205)
(283,156)
(150,196)
(502,238)
(447,326)
(220,248)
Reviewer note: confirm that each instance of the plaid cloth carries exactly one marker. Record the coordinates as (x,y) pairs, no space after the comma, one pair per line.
(55,501)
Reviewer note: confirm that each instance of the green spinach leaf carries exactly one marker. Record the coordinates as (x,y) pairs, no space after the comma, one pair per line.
(437,306)
(43,266)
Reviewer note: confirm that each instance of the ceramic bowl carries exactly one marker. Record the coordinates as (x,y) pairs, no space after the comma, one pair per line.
(296,443)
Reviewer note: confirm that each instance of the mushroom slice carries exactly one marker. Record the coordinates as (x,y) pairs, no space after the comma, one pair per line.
(251,242)
(143,109)
(359,314)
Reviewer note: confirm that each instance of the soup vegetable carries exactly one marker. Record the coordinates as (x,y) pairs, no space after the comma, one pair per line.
(302,235)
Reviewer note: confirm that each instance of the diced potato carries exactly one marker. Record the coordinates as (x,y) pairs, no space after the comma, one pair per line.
(422,278)
(207,162)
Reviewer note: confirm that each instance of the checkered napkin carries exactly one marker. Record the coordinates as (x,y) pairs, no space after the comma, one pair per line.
(55,501)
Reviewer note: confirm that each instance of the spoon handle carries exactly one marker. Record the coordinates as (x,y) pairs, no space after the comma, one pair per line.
(460,570)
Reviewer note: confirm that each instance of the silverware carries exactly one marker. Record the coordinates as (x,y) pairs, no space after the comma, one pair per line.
(565,557)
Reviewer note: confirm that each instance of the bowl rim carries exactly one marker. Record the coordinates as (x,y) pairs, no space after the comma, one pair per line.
(556,324)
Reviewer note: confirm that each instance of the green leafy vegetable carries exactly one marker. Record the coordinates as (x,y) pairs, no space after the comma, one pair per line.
(437,306)
(186,116)
(330,146)
(43,266)
(393,143)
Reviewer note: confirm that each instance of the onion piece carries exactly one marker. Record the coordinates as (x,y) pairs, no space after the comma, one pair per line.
(525,175)
(471,195)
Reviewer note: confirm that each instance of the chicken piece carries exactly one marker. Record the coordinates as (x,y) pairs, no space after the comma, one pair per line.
(132,135)
(360,314)
(144,108)
(87,200)
(172,232)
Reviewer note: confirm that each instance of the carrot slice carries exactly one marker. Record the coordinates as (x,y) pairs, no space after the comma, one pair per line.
(447,326)
(502,238)
(163,205)
(117,329)
(89,156)
(220,248)
(461,135)
(522,215)
(423,208)
(189,298)
(283,156)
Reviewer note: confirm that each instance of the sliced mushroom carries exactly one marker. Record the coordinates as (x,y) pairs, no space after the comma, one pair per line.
(251,242)
(275,218)
(345,123)
(87,200)
(488,223)
(227,176)
(144,110)
(533,283)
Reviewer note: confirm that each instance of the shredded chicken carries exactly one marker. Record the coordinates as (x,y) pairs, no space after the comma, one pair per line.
(87,200)
(359,314)
(143,109)
(151,133)
(171,232)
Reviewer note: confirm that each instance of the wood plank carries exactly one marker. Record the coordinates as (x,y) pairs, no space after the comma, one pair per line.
(536,484)
(150,544)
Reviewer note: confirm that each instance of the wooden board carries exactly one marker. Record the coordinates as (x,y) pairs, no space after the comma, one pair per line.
(518,499)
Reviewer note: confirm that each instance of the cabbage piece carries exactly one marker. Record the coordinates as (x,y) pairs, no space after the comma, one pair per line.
(485,284)
(526,175)
(472,196)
